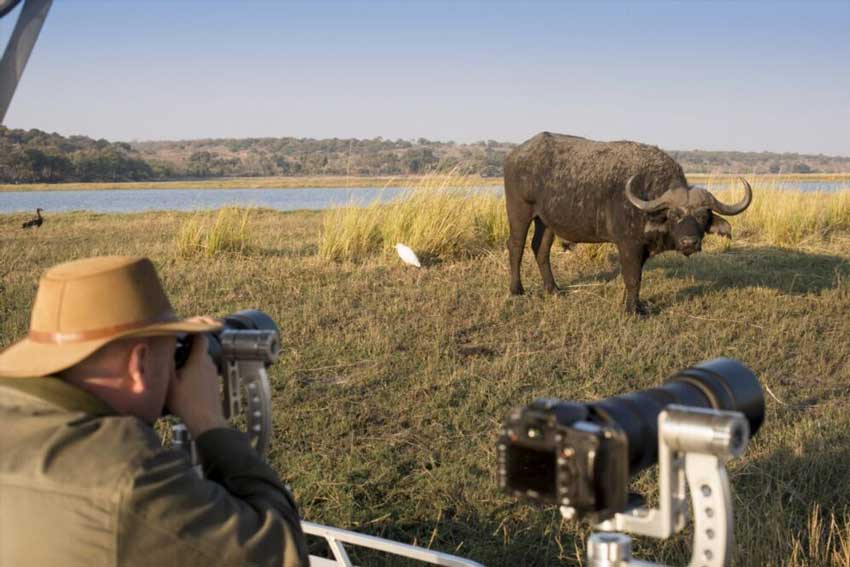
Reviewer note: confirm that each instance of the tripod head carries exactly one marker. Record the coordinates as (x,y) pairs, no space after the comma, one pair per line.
(694,445)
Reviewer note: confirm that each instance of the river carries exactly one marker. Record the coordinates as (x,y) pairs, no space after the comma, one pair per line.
(136,200)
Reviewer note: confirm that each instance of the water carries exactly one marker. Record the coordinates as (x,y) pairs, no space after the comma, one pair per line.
(805,186)
(135,200)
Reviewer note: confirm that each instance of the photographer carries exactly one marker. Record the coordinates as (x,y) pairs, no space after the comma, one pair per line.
(84,479)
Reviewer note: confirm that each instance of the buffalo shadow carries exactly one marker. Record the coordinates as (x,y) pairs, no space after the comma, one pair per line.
(791,272)
(788,271)
(778,494)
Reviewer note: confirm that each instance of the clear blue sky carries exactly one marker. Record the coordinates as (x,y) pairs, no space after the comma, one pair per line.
(732,76)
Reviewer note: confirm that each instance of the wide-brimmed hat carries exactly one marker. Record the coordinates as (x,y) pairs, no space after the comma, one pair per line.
(82,305)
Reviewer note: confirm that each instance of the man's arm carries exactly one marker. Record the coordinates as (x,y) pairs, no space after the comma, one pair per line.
(241,516)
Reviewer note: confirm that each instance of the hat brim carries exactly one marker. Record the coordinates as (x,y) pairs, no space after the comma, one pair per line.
(31,359)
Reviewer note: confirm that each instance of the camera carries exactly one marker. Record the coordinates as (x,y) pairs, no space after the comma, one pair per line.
(581,455)
(265,341)
(247,344)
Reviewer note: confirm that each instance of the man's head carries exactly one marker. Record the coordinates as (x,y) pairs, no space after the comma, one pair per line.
(132,375)
(107,318)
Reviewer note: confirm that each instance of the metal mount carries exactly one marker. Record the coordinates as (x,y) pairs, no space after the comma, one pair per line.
(693,447)
(245,356)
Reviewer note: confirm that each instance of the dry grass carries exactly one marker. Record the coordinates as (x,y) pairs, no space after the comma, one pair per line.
(441,217)
(229,231)
(824,541)
(394,381)
(789,218)
(444,217)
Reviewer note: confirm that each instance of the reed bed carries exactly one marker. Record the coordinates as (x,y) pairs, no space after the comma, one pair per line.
(226,231)
(442,217)
(445,217)
(783,217)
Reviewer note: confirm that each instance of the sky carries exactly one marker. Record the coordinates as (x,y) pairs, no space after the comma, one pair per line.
(748,76)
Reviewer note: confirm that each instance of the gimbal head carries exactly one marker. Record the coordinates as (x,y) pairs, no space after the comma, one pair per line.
(693,447)
(247,345)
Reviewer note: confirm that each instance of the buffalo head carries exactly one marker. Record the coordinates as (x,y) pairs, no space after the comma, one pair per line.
(686,214)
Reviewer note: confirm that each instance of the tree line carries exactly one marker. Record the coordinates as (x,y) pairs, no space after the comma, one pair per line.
(34,156)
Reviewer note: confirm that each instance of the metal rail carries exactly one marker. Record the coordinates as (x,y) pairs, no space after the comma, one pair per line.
(336,538)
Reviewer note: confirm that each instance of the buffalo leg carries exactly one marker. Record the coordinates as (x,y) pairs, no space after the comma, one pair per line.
(519,219)
(541,244)
(632,259)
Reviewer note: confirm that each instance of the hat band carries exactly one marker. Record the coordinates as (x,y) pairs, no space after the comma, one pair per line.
(48,337)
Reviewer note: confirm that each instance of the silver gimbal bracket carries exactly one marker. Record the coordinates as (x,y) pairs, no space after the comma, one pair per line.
(693,447)
(245,356)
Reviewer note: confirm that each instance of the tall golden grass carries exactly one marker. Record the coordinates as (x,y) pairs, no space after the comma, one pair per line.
(825,541)
(444,217)
(783,217)
(227,231)
(441,217)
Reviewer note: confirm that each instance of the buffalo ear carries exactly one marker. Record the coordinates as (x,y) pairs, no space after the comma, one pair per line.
(655,228)
(720,227)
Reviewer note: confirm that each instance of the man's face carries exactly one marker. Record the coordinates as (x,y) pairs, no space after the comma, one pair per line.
(158,376)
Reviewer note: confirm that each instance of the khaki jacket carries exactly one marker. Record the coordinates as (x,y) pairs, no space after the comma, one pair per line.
(82,486)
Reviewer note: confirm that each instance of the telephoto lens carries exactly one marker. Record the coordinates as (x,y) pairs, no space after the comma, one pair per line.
(246,320)
(582,454)
(721,384)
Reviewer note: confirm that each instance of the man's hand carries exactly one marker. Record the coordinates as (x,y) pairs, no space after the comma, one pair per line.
(194,394)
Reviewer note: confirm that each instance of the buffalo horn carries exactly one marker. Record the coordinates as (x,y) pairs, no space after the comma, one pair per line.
(645,206)
(738,207)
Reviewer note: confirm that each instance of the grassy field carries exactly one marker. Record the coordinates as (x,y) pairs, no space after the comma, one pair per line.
(394,380)
(333,181)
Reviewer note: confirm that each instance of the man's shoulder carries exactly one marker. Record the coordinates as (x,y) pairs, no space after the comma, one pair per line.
(68,451)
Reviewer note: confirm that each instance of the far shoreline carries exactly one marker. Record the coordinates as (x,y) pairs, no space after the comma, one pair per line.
(319,182)
(363,182)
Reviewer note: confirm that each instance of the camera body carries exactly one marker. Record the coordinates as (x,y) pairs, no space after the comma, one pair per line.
(580,456)
(554,452)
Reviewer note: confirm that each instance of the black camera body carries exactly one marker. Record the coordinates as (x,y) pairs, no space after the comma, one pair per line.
(554,452)
(582,455)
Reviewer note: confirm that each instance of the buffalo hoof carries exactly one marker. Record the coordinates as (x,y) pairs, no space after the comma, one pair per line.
(639,308)
(517,290)
(552,290)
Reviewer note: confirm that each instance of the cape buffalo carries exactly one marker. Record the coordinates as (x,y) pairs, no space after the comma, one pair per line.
(631,194)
